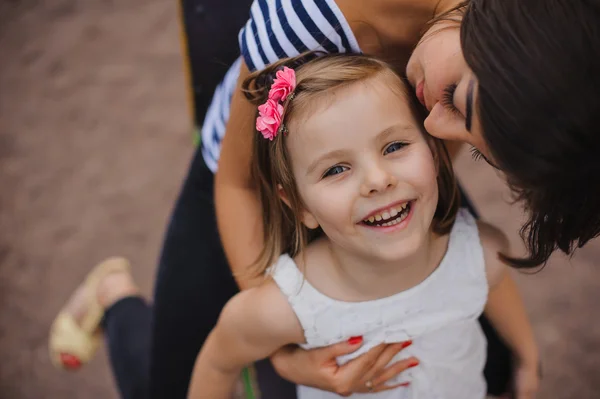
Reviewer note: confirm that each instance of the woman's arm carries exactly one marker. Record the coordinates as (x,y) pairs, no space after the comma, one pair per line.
(318,368)
(504,307)
(506,312)
(236,199)
(237,203)
(252,326)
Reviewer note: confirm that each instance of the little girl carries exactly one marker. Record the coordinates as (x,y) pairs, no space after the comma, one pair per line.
(342,153)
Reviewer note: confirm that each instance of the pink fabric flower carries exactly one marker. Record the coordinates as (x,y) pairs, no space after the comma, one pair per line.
(271,112)
(283,85)
(269,119)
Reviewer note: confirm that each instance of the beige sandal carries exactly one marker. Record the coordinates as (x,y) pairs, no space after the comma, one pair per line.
(73,344)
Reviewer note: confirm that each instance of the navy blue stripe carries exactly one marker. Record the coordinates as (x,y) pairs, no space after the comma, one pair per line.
(215,134)
(245,51)
(312,28)
(333,21)
(289,32)
(257,40)
(272,38)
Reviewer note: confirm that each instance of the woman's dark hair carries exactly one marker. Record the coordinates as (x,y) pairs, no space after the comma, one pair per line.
(538,67)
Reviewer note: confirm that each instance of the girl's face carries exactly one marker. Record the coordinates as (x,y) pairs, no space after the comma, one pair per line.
(365,172)
(446,86)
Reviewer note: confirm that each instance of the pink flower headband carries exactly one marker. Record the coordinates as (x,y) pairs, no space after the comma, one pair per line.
(271,112)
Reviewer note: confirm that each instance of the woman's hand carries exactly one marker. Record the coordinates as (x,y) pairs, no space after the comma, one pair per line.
(318,367)
(527,380)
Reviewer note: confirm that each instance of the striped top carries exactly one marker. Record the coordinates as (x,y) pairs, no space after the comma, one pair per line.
(276,29)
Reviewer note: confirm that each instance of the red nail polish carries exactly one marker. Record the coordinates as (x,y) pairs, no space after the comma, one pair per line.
(70,361)
(404,384)
(413,363)
(406,344)
(355,340)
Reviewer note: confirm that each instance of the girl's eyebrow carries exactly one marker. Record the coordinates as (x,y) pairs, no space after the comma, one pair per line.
(389,130)
(324,157)
(469,105)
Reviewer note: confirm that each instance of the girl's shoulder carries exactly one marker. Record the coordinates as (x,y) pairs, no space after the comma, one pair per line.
(262,310)
(295,275)
(491,238)
(478,246)
(314,258)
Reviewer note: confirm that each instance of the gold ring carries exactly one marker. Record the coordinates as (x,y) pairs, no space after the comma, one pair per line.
(369,385)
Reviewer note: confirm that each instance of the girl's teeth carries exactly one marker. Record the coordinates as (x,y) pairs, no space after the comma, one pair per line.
(393,212)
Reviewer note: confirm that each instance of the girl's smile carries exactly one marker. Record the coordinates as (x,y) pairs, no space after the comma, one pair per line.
(362,165)
(389,219)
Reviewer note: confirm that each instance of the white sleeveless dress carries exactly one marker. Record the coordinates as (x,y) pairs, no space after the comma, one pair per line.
(439,315)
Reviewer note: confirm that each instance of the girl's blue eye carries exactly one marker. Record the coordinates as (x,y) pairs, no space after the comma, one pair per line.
(336,170)
(393,147)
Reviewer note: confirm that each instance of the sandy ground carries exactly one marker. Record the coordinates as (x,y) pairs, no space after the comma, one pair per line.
(94,142)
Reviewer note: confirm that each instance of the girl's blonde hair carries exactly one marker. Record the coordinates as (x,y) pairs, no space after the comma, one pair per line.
(316,76)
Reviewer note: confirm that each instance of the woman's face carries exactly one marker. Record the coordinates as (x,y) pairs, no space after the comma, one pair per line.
(446,86)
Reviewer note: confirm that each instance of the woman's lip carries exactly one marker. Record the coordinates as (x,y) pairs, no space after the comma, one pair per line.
(420,91)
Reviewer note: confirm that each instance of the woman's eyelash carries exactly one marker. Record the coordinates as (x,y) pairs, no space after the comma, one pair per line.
(476,154)
(448,98)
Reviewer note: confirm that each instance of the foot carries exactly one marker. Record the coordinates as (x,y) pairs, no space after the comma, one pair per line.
(110,289)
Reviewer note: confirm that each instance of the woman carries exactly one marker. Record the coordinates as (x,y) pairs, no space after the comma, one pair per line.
(520,92)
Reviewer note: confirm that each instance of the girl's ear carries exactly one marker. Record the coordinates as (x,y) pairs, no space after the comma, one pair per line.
(307,218)
(283,196)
